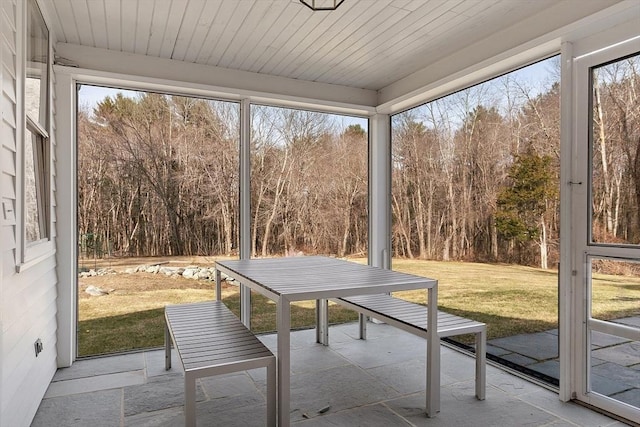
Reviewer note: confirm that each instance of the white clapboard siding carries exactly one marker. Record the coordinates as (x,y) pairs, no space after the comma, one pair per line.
(7,166)
(27,299)
(5,133)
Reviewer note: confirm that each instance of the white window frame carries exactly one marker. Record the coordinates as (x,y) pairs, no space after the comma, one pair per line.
(32,252)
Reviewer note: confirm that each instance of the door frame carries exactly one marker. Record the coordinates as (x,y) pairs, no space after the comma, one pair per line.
(581,247)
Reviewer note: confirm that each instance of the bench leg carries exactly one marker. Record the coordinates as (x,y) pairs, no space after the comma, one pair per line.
(322,321)
(362,324)
(481,364)
(189,400)
(271,394)
(218,285)
(167,347)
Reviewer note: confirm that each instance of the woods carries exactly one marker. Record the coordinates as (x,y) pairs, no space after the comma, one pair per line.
(475,174)
(158,175)
(459,162)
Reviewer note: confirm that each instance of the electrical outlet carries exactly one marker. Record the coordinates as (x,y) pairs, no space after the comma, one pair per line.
(38,346)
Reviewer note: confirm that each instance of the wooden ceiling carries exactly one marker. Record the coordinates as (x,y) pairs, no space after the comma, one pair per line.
(367,44)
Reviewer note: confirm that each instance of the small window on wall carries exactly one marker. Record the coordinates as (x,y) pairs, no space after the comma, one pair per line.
(36,172)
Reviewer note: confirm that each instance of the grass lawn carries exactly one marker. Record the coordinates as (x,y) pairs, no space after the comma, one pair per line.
(510,299)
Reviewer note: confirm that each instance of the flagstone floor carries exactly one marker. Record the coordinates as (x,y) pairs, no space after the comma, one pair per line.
(615,361)
(377,382)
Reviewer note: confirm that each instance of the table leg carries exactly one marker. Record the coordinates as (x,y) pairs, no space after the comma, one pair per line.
(189,399)
(433,355)
(245,306)
(284,362)
(322,321)
(362,322)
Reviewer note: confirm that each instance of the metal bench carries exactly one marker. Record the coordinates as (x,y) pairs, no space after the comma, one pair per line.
(211,340)
(412,318)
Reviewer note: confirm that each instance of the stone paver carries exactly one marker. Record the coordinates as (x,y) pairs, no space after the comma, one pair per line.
(550,368)
(540,346)
(95,409)
(158,393)
(599,340)
(101,366)
(632,397)
(627,354)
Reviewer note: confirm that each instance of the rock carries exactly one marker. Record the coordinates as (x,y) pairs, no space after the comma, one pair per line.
(96,291)
(190,273)
(153,269)
(203,274)
(167,271)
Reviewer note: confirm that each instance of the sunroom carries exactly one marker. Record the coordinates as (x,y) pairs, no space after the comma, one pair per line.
(393,72)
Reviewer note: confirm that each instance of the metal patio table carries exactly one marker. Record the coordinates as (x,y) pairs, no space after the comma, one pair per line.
(319,278)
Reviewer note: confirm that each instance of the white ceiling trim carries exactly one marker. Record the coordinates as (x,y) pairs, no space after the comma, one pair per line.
(179,87)
(466,77)
(147,72)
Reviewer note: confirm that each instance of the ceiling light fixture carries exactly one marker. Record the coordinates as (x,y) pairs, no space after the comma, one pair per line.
(322,4)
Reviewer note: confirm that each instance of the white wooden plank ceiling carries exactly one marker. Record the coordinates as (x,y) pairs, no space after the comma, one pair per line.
(364,43)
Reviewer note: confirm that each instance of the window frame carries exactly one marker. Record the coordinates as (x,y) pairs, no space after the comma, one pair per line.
(35,131)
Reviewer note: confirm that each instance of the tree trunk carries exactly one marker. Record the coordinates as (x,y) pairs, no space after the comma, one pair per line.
(544,262)
(280,186)
(636,179)
(607,197)
(420,224)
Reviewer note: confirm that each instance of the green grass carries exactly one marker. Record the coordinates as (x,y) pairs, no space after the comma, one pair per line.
(132,317)
(513,299)
(510,299)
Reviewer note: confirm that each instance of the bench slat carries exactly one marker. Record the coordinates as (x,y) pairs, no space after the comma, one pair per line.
(196,341)
(412,314)
(214,351)
(211,340)
(413,318)
(191,363)
(205,327)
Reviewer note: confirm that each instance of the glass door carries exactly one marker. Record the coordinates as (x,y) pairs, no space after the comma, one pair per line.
(607,229)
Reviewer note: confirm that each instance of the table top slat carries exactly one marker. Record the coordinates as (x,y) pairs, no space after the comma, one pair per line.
(317,276)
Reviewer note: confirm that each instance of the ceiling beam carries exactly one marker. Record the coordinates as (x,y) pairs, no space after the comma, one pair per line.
(223,82)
